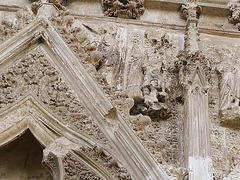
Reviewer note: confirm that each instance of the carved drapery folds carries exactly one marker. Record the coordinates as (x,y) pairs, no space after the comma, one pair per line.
(152,85)
(131,9)
(234,18)
(136,73)
(229,95)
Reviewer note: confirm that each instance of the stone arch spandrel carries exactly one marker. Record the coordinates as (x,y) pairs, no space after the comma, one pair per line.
(98,105)
(57,147)
(36,75)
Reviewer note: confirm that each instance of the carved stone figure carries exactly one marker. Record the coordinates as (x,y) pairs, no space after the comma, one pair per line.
(148,97)
(227,93)
(10,27)
(155,90)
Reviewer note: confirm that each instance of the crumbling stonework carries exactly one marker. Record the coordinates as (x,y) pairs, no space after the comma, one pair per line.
(123,89)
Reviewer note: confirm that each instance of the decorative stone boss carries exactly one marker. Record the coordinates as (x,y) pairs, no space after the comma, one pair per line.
(131,9)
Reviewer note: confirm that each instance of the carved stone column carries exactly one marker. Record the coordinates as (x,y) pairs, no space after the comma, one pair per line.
(197,132)
(54,154)
(193,76)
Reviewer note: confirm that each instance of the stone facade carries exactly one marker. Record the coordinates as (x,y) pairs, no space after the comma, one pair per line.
(118,89)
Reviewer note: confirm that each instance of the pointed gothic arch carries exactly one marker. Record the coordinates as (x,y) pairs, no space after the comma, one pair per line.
(40,33)
(48,132)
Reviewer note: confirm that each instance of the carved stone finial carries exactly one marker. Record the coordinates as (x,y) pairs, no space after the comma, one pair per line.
(131,9)
(46,10)
(190,11)
(234,18)
(48,7)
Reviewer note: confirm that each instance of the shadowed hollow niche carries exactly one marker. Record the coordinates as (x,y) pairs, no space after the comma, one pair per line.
(21,159)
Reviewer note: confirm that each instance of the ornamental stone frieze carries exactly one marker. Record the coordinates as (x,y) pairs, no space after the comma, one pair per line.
(51,61)
(108,98)
(131,9)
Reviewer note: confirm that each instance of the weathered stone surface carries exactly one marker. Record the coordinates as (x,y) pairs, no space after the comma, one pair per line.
(149,92)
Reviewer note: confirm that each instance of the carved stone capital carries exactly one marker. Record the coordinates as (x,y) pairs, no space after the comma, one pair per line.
(187,64)
(54,155)
(190,11)
(234,18)
(50,161)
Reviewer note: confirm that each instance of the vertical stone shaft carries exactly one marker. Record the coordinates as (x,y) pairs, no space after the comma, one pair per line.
(196,125)
(191,43)
(197,122)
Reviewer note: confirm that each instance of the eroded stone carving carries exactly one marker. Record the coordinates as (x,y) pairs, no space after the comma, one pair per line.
(50,161)
(106,66)
(155,81)
(158,132)
(235,170)
(155,91)
(190,10)
(107,161)
(60,4)
(35,74)
(229,95)
(225,154)
(234,18)
(9,27)
(152,135)
(76,38)
(74,169)
(153,98)
(131,9)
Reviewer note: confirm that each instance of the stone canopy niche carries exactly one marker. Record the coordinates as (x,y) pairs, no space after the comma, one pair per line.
(21,159)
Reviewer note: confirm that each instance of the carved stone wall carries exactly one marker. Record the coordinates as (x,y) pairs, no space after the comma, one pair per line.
(166,72)
(222,108)
(35,74)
